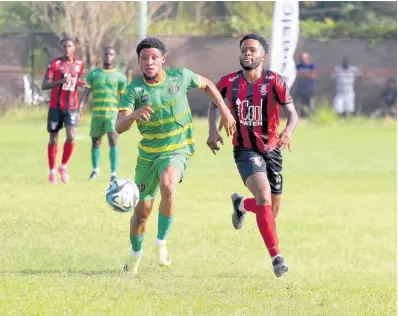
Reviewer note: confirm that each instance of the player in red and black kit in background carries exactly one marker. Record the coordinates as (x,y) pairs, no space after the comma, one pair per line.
(255,96)
(62,77)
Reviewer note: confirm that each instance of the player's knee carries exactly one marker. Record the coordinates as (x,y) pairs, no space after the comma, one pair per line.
(96,142)
(112,141)
(167,190)
(263,198)
(70,137)
(53,139)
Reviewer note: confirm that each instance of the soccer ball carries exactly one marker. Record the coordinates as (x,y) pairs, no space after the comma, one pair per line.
(122,195)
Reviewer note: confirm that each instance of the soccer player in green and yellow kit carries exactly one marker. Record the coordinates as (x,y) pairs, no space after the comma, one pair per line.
(158,102)
(107,84)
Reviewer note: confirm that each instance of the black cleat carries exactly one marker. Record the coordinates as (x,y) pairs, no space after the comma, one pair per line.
(280,266)
(238,216)
(113,178)
(94,175)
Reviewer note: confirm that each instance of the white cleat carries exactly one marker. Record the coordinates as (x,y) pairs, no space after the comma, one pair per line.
(132,264)
(162,256)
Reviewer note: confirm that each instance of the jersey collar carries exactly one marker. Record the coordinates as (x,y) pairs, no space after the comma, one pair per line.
(155,84)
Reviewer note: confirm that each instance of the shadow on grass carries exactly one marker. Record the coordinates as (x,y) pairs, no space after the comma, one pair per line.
(62,272)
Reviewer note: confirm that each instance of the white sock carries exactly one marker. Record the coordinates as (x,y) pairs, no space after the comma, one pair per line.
(136,254)
(53,171)
(96,170)
(62,166)
(112,173)
(241,206)
(159,242)
(274,257)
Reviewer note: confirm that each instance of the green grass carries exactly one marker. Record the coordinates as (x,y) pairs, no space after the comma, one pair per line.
(62,247)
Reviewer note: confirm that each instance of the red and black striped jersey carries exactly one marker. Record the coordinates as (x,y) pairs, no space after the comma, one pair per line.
(256,108)
(64,96)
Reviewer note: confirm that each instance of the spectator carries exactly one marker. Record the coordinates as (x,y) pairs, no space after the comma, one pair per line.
(305,90)
(388,106)
(344,99)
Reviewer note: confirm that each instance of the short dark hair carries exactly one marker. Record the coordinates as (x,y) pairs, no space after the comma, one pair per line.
(67,39)
(110,48)
(256,37)
(151,42)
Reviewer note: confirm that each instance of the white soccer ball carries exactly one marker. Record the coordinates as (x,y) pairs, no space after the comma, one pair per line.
(122,195)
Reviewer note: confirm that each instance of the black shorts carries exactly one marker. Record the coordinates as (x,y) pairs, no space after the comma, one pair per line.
(250,162)
(57,118)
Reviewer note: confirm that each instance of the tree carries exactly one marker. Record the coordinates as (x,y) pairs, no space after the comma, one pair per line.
(96,24)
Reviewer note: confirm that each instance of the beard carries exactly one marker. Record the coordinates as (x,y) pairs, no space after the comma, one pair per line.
(255,63)
(150,78)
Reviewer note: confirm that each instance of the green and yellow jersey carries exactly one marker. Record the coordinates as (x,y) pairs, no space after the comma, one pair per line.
(106,85)
(170,127)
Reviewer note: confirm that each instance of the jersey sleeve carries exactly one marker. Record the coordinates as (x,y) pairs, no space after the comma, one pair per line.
(89,80)
(222,87)
(282,91)
(50,70)
(128,100)
(191,78)
(122,83)
(81,70)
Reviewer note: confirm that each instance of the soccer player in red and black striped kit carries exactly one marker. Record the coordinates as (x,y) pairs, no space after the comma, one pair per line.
(62,77)
(255,97)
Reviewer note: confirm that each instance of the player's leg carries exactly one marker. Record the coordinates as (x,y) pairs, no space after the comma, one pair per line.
(70,121)
(95,157)
(350,104)
(97,130)
(171,170)
(148,184)
(54,124)
(137,229)
(113,151)
(338,104)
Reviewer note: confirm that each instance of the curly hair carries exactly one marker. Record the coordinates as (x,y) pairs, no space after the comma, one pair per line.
(151,42)
(67,39)
(256,37)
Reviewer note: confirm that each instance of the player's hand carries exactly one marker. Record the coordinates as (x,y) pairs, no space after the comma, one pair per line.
(82,83)
(144,113)
(228,122)
(213,140)
(284,140)
(67,78)
(80,112)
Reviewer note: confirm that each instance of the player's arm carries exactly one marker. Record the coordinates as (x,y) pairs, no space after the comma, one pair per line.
(282,95)
(86,95)
(127,116)
(47,82)
(227,120)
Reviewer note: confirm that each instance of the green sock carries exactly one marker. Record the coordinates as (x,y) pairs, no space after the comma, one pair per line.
(95,157)
(114,157)
(164,223)
(136,242)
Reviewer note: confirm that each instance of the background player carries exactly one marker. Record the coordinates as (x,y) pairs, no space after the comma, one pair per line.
(157,100)
(107,85)
(255,96)
(62,77)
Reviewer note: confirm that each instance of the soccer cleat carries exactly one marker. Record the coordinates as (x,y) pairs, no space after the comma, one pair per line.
(94,175)
(52,178)
(132,264)
(113,178)
(238,216)
(64,174)
(162,255)
(280,266)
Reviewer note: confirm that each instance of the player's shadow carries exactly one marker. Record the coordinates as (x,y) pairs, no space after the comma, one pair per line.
(61,272)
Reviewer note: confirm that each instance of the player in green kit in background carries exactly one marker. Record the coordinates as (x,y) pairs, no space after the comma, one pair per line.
(107,84)
(157,100)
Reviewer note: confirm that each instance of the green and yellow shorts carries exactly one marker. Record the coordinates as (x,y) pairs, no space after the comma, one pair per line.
(147,172)
(102,125)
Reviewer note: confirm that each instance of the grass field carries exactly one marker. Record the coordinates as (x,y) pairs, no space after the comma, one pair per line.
(62,247)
